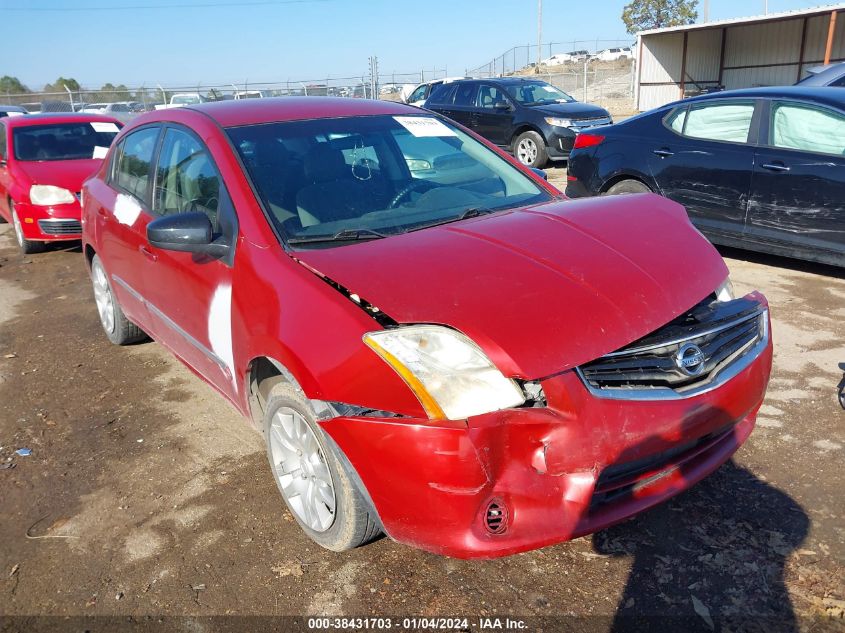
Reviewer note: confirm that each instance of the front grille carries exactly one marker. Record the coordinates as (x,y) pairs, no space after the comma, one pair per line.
(684,355)
(582,123)
(60,227)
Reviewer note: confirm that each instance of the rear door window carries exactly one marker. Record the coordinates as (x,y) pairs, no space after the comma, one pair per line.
(807,128)
(132,162)
(465,95)
(489,96)
(444,94)
(728,122)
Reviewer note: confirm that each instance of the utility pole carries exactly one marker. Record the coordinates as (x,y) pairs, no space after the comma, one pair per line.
(706,11)
(539,33)
(765,7)
(373,77)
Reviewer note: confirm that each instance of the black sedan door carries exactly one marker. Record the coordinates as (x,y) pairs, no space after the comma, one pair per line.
(493,115)
(704,161)
(463,106)
(798,189)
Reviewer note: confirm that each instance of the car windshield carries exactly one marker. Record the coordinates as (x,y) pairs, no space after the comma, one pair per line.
(63,141)
(333,180)
(531,93)
(186,100)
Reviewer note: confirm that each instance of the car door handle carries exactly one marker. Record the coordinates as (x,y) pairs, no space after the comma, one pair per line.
(148,253)
(779,167)
(663,153)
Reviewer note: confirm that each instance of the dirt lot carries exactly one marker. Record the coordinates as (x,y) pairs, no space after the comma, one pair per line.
(146,495)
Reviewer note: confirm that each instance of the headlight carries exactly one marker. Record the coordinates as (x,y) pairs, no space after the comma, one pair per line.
(725,292)
(558,122)
(47,195)
(450,375)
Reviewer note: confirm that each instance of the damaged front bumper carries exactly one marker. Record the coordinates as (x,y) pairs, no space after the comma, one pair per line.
(519,479)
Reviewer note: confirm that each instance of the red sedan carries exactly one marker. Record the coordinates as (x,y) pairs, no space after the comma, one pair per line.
(44,159)
(435,344)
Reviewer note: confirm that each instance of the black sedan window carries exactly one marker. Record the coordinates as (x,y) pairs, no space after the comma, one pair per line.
(807,128)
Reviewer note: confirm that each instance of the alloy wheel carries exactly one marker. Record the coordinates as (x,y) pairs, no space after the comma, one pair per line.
(527,151)
(301,470)
(18,228)
(103,296)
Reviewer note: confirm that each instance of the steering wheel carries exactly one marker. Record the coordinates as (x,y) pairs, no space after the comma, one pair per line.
(411,186)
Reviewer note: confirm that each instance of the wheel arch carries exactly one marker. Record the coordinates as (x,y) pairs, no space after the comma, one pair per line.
(624,176)
(526,127)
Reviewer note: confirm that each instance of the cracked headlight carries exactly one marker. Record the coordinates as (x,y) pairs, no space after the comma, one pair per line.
(450,375)
(556,122)
(47,195)
(725,292)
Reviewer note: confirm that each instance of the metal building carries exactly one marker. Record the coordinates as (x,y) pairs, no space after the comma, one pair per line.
(770,50)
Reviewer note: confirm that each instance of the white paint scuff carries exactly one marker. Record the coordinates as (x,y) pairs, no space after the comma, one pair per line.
(126,210)
(220,328)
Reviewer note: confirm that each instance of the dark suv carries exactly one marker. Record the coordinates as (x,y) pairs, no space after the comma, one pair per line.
(529,118)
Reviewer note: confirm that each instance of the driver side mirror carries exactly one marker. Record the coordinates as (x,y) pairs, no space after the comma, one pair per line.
(186,233)
(502,106)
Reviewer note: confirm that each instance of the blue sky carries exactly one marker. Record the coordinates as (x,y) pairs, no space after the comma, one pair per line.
(301,39)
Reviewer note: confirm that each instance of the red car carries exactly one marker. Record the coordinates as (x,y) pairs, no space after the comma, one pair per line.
(435,344)
(44,159)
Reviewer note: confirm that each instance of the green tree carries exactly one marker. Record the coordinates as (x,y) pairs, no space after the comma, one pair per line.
(640,15)
(12,85)
(61,83)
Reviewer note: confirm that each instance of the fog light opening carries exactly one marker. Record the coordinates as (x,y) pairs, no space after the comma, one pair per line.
(496,517)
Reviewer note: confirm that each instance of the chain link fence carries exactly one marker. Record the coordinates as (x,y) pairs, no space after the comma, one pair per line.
(144,98)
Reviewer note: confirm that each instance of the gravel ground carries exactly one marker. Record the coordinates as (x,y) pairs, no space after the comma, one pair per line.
(146,495)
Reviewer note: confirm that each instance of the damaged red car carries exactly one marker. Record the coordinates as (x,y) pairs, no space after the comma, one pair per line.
(44,159)
(435,344)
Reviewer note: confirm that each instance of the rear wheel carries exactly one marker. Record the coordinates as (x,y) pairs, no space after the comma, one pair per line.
(530,150)
(314,481)
(628,186)
(28,247)
(118,329)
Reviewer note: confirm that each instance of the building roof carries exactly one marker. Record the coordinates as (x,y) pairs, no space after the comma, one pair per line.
(754,19)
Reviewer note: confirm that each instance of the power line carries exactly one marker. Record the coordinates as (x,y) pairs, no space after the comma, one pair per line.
(203,5)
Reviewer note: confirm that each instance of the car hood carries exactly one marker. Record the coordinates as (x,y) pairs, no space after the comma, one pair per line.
(574,110)
(68,174)
(541,289)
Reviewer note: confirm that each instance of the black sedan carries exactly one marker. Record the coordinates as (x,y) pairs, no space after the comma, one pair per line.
(529,118)
(762,169)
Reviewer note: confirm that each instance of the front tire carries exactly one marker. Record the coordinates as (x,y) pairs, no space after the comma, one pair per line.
(628,186)
(530,150)
(312,477)
(118,329)
(28,247)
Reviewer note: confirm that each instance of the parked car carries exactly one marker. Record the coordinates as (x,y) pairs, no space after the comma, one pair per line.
(557,59)
(579,56)
(416,352)
(614,54)
(181,99)
(528,117)
(44,158)
(830,75)
(119,110)
(12,110)
(418,95)
(253,94)
(762,169)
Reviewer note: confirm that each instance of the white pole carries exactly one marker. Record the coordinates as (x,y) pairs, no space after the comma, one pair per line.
(70,95)
(585,81)
(539,32)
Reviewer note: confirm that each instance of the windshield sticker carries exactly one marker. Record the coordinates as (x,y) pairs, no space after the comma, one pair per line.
(126,210)
(14,114)
(550,89)
(423,126)
(100,152)
(104,126)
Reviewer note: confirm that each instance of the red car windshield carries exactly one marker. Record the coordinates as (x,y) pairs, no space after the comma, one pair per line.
(371,176)
(63,141)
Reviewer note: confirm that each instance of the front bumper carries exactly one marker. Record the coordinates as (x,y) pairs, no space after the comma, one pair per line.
(559,141)
(54,223)
(574,467)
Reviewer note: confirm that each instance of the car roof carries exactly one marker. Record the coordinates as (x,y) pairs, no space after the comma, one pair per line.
(820,94)
(48,118)
(275,109)
(823,75)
